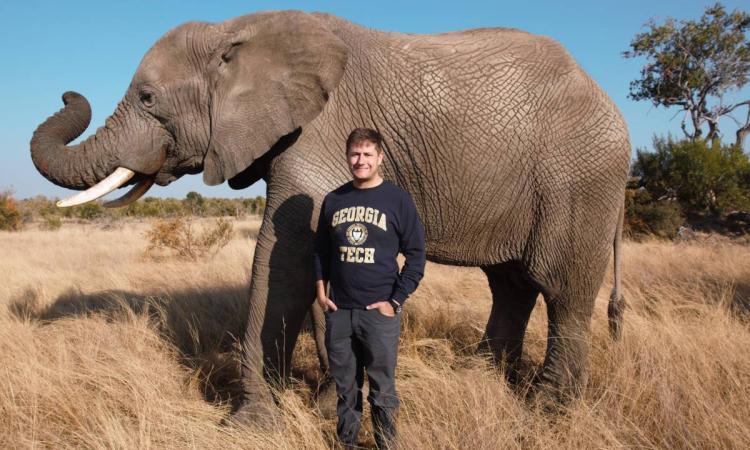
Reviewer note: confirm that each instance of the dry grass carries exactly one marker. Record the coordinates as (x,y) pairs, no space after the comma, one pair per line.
(103,348)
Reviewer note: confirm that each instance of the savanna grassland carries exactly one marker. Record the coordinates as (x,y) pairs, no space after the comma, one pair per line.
(103,346)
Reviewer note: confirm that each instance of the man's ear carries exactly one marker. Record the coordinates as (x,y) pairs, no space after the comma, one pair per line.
(271,74)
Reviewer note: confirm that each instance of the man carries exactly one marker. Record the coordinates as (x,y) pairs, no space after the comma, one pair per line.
(362,227)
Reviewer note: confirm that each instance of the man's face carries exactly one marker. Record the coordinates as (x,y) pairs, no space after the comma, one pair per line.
(364,161)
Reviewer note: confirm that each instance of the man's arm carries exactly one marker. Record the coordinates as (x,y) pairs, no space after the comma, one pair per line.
(322,247)
(411,244)
(322,260)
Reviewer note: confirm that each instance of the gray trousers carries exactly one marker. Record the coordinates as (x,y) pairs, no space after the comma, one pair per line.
(359,340)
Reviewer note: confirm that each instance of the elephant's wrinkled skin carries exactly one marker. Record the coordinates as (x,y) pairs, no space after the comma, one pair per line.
(515,158)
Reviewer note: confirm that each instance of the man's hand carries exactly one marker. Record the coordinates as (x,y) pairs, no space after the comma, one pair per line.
(384,307)
(326,303)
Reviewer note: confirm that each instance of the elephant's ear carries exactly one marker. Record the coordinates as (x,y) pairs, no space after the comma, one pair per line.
(272,74)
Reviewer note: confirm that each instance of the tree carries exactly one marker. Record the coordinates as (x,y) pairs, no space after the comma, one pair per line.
(691,61)
(195,203)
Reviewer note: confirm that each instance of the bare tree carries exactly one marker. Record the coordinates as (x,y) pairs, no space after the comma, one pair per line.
(693,62)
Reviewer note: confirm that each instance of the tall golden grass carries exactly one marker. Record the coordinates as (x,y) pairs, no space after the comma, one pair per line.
(102,347)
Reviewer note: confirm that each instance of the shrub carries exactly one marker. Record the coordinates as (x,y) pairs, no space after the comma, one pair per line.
(89,211)
(50,222)
(156,207)
(11,218)
(195,203)
(39,206)
(178,236)
(148,207)
(644,216)
(254,205)
(705,178)
(218,207)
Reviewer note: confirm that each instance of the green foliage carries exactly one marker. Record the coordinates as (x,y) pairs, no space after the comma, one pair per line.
(260,203)
(39,206)
(11,218)
(218,207)
(90,211)
(704,178)
(177,235)
(644,216)
(692,60)
(45,210)
(195,203)
(51,222)
(155,207)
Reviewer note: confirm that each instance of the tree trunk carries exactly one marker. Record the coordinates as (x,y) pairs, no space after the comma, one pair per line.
(741,133)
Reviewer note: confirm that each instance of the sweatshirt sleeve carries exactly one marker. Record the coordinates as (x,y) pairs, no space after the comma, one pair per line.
(411,244)
(322,249)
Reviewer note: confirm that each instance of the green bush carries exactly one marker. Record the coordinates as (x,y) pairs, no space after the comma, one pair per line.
(89,211)
(646,217)
(51,222)
(148,207)
(11,218)
(707,179)
(219,207)
(42,209)
(195,203)
(39,206)
(155,207)
(260,204)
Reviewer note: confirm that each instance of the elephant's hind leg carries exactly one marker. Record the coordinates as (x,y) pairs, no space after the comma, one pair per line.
(513,299)
(569,309)
(563,375)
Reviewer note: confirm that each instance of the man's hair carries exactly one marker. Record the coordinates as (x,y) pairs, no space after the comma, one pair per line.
(360,135)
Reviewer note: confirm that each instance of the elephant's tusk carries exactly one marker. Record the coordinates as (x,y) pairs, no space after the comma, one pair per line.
(102,188)
(132,195)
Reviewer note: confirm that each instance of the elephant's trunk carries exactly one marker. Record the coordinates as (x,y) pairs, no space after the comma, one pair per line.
(77,166)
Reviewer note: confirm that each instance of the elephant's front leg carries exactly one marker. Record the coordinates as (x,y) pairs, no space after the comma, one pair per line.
(326,395)
(281,292)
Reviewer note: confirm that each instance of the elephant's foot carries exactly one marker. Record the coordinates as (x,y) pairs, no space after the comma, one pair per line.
(258,407)
(510,367)
(549,399)
(326,399)
(520,374)
(555,389)
(540,399)
(261,414)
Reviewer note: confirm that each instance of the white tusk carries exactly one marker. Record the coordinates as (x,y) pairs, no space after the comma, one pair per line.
(102,188)
(132,195)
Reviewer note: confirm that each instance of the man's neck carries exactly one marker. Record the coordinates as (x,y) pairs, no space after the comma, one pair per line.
(367,184)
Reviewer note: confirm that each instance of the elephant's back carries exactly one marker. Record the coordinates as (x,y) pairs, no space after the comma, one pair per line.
(472,119)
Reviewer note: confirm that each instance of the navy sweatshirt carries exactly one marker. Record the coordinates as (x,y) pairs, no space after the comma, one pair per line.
(360,232)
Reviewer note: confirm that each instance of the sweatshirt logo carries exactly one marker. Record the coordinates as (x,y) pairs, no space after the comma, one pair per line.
(360,214)
(356,234)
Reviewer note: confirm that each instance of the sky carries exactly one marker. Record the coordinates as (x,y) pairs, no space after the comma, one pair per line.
(94,47)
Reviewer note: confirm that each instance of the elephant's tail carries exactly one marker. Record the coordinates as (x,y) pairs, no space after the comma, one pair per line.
(616,307)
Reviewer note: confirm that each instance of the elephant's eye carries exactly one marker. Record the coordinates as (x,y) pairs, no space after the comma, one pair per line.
(147,98)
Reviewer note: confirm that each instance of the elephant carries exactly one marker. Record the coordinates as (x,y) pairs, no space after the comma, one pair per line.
(516,160)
